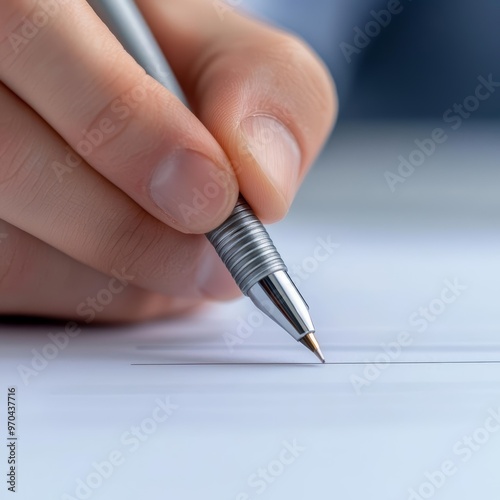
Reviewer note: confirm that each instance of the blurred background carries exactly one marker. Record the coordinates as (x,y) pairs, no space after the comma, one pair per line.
(400,242)
(416,64)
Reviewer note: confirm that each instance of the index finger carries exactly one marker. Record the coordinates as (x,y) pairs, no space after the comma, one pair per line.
(60,59)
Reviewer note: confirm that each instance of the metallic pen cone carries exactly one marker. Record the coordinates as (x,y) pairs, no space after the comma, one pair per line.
(311,343)
(277,296)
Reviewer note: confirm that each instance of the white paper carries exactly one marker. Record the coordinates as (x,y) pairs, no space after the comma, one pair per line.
(262,419)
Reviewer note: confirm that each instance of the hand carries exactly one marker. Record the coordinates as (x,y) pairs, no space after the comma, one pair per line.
(107,182)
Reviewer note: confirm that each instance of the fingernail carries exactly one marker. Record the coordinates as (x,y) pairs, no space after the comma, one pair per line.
(214,280)
(275,150)
(191,190)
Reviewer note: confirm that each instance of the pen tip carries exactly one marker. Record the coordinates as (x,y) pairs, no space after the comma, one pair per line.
(311,343)
(319,354)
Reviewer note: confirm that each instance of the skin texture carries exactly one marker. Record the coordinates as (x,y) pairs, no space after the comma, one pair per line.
(84,133)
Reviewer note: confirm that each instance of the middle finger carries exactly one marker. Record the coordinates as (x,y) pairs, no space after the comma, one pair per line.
(85,216)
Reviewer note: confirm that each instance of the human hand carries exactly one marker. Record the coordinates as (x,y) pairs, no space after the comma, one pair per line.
(107,182)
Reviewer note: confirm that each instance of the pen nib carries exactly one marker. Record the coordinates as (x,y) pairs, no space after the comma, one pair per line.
(311,343)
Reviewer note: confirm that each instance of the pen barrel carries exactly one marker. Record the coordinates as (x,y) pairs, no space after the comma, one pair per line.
(245,247)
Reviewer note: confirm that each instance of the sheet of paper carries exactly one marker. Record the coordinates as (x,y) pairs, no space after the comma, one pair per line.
(403,288)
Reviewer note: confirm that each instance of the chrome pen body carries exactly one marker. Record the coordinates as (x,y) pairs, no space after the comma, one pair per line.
(241,241)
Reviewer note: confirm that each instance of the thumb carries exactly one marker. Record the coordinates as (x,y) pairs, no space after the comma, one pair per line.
(262,93)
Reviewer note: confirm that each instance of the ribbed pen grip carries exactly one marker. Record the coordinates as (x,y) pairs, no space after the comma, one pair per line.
(245,247)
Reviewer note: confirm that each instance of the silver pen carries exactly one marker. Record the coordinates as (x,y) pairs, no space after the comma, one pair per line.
(241,241)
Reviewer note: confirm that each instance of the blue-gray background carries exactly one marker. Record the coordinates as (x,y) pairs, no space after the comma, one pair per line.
(426,59)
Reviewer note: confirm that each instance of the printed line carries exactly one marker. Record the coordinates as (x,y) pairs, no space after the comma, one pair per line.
(209,363)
